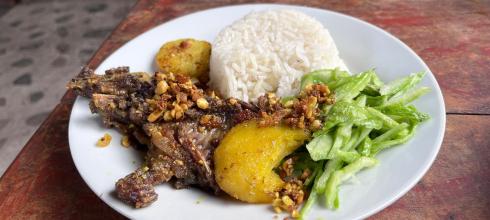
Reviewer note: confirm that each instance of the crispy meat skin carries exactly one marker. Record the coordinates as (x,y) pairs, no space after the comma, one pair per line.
(177,149)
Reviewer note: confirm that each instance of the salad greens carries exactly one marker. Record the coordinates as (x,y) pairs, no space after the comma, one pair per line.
(368,116)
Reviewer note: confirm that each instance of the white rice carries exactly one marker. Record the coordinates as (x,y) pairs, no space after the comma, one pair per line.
(269,51)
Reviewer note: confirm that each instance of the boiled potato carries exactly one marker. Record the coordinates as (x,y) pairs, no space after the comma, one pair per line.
(245,159)
(186,57)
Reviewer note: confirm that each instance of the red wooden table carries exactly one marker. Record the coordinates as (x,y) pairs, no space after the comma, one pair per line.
(453,37)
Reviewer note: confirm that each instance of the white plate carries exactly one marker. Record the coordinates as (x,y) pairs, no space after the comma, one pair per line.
(361,45)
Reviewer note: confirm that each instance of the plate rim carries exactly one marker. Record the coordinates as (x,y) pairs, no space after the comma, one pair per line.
(386,203)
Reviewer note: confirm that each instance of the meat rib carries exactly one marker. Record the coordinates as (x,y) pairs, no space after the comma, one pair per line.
(179,149)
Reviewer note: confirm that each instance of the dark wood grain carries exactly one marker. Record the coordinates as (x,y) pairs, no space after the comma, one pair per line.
(43,183)
(453,37)
(457,185)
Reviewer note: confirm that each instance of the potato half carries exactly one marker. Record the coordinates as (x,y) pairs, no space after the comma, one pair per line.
(245,159)
(185,57)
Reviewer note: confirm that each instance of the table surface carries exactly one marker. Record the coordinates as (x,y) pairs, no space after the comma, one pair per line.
(453,38)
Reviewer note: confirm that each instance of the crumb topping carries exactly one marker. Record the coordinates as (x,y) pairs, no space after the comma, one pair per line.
(301,112)
(174,94)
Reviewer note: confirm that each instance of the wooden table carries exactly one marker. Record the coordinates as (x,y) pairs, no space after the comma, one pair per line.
(453,37)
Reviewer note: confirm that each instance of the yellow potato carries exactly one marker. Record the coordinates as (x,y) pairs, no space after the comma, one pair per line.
(245,159)
(186,57)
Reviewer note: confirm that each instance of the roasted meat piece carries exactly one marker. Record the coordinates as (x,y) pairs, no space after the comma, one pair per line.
(119,98)
(180,125)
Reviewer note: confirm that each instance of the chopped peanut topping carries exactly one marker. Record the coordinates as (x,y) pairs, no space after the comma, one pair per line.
(211,121)
(125,141)
(202,103)
(161,88)
(155,115)
(167,116)
(289,198)
(174,95)
(316,124)
(301,112)
(232,101)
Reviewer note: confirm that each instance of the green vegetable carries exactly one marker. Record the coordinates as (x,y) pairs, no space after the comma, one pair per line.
(331,189)
(390,133)
(310,179)
(320,146)
(349,112)
(372,89)
(376,83)
(365,148)
(356,133)
(330,167)
(325,76)
(336,163)
(367,117)
(381,145)
(361,100)
(400,86)
(352,88)
(387,121)
(362,136)
(407,97)
(408,114)
(348,156)
(341,137)
(374,101)
(309,203)
(313,196)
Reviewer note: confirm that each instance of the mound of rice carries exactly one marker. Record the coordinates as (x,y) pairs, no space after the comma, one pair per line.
(269,51)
